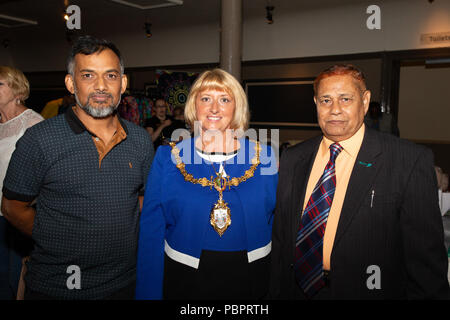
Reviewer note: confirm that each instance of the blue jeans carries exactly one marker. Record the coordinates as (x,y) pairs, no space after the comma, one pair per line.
(13,246)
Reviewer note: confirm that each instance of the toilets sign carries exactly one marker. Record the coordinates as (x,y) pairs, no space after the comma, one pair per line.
(435,38)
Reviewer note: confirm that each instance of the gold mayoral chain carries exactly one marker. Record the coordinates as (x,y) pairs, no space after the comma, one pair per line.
(220,217)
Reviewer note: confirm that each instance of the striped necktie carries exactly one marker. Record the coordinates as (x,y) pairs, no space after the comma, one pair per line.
(309,242)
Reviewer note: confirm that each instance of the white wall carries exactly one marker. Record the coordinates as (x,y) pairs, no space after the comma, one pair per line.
(424,107)
(334,30)
(342,29)
(190,45)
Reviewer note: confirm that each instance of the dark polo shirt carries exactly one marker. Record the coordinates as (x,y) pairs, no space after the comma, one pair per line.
(87,207)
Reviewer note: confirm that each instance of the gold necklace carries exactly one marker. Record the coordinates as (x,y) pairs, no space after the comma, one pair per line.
(220,216)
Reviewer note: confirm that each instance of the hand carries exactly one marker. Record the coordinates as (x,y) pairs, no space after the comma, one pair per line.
(166,123)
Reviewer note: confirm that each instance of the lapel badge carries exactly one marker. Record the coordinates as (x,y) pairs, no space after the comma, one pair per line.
(366,164)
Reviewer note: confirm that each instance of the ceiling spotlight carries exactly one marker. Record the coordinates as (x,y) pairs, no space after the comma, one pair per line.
(65,15)
(269,18)
(147,28)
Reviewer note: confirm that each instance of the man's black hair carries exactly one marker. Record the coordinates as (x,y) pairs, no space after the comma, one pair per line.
(88,45)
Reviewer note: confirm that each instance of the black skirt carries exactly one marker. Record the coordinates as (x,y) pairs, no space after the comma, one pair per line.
(220,275)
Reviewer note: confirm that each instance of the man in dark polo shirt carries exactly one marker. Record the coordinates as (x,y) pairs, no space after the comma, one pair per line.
(87,170)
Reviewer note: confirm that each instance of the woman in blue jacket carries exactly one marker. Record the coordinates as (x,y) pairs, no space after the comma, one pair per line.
(206,223)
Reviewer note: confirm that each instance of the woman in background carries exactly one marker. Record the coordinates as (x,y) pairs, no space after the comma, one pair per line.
(15,118)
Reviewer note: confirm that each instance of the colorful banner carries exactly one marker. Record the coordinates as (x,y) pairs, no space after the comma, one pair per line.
(174,86)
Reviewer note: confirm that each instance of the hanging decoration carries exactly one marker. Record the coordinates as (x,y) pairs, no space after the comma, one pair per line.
(174,87)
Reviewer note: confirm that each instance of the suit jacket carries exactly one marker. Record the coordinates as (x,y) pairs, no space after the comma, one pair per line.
(397,236)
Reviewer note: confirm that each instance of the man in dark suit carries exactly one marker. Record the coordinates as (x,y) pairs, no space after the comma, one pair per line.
(369,225)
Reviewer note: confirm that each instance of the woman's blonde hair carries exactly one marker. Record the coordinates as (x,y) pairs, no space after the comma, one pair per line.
(220,80)
(17,81)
